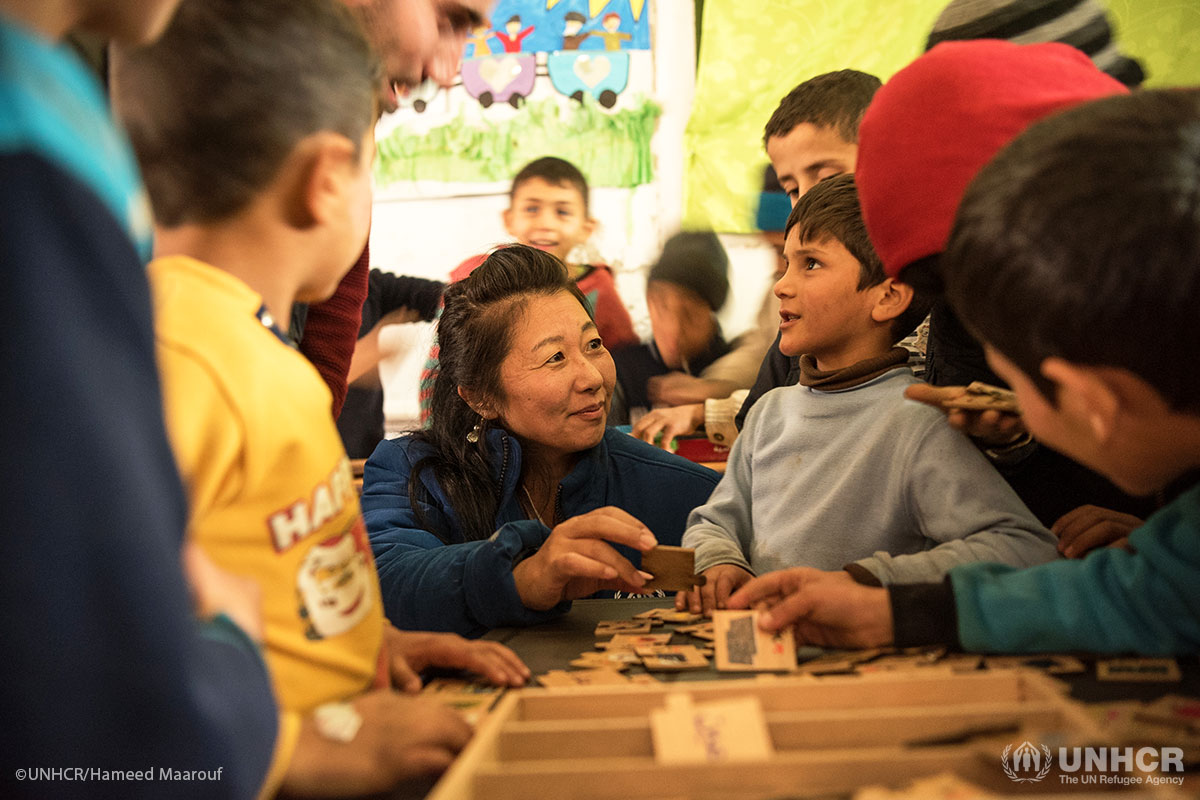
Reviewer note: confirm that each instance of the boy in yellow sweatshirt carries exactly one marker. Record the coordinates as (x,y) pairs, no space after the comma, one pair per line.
(253,123)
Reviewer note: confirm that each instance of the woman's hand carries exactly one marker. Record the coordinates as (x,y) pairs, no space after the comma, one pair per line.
(412,652)
(991,428)
(670,422)
(576,559)
(719,583)
(1083,529)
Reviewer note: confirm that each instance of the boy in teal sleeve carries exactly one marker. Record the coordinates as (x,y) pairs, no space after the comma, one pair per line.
(1075,258)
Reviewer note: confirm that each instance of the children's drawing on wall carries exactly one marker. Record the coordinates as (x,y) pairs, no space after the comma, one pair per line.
(568,77)
(582,47)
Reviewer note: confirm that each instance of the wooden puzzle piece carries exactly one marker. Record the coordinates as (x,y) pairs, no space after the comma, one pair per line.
(471,700)
(742,646)
(673,568)
(603,676)
(702,630)
(614,659)
(1046,662)
(611,627)
(984,397)
(1147,670)
(672,658)
(628,641)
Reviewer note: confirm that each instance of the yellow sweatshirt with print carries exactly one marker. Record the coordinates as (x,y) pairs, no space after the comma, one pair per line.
(270,490)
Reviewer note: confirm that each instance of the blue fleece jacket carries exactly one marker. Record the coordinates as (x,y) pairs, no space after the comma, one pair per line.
(467,587)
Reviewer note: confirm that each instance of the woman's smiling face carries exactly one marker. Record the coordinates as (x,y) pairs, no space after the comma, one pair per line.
(557,378)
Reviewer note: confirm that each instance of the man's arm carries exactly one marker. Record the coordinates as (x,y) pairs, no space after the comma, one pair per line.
(331,330)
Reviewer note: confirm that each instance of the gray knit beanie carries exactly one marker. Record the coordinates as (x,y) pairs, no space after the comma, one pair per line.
(1082,24)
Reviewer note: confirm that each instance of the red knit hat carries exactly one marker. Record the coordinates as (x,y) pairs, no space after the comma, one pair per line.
(941,118)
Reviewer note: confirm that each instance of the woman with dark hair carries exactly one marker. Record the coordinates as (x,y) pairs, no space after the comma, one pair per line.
(518,499)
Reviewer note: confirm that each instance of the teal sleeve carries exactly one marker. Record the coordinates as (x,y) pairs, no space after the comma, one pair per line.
(1112,601)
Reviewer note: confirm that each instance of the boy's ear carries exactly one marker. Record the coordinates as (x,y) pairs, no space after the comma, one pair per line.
(323,167)
(894,298)
(1100,396)
(589,227)
(479,406)
(507,216)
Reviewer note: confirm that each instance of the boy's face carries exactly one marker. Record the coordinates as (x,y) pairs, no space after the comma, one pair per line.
(1068,425)
(808,154)
(548,216)
(821,310)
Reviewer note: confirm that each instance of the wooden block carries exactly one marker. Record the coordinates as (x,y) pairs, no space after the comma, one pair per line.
(681,617)
(672,658)
(558,678)
(1146,670)
(673,568)
(611,627)
(742,646)
(628,641)
(720,731)
(984,397)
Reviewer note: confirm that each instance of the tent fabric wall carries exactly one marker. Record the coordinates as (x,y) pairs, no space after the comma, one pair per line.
(754,51)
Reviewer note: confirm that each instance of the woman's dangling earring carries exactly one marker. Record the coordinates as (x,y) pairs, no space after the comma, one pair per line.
(473,436)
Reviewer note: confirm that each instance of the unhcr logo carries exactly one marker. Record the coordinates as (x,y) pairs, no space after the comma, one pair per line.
(1029,764)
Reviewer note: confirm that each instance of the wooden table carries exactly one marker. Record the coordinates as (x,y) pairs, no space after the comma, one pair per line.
(554,644)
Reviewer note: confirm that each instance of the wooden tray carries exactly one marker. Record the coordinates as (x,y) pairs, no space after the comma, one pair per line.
(830,735)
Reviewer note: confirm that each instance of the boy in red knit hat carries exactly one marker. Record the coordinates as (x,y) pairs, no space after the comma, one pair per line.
(1076,258)
(925,135)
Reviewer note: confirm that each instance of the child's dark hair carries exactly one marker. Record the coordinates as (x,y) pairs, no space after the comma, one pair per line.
(1081,240)
(832,100)
(217,105)
(474,337)
(554,171)
(830,210)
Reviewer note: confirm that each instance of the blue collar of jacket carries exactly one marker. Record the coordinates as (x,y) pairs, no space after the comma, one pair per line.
(584,487)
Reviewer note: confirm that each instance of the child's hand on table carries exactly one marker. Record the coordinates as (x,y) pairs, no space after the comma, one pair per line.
(720,582)
(412,652)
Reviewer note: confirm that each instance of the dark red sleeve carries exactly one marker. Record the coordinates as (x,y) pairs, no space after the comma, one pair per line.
(331,329)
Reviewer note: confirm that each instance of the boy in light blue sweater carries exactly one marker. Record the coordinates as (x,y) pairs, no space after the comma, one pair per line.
(1075,257)
(841,472)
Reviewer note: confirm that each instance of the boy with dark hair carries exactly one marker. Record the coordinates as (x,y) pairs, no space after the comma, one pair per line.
(685,289)
(264,199)
(813,132)
(810,455)
(548,209)
(812,135)
(1086,228)
(105,663)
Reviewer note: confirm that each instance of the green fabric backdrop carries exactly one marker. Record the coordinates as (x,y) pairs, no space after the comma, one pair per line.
(754,51)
